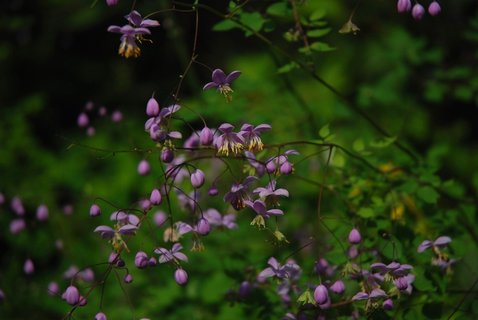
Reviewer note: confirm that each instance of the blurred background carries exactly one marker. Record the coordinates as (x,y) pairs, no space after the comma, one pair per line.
(417,79)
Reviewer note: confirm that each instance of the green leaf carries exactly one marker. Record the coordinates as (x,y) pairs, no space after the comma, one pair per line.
(321,47)
(366,213)
(288,67)
(318,32)
(358,145)
(383,143)
(324,132)
(317,15)
(224,25)
(280,9)
(428,194)
(253,20)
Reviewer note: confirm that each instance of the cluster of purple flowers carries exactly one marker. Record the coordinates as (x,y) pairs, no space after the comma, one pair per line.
(84,118)
(440,258)
(418,11)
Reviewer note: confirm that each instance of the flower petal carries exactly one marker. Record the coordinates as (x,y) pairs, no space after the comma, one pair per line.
(218,76)
(424,246)
(442,241)
(232,76)
(360,296)
(210,85)
(149,23)
(116,29)
(134,17)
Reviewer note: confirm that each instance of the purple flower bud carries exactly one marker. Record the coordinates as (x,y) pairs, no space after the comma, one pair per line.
(17,225)
(17,206)
(68,209)
(83,120)
(2,296)
(181,277)
(286,168)
(152,262)
(42,212)
(401,283)
(321,295)
(28,266)
(203,227)
(388,304)
(116,116)
(159,218)
(90,131)
(155,197)
(113,257)
(102,111)
(338,287)
(87,275)
(143,168)
(321,266)
(89,105)
(206,136)
(404,5)
(354,236)
(418,11)
(353,252)
(100,315)
(95,210)
(128,278)
(152,108)
(2,198)
(71,295)
(141,260)
(83,301)
(270,166)
(213,191)
(434,8)
(244,289)
(167,155)
(197,178)
(53,288)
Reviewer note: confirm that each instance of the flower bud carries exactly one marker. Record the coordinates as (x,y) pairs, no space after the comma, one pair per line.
(203,227)
(53,288)
(128,278)
(17,225)
(206,136)
(71,295)
(181,277)
(434,8)
(155,197)
(152,262)
(167,155)
(42,212)
(286,168)
(116,116)
(338,287)
(17,206)
(83,301)
(2,296)
(87,275)
(28,266)
(270,166)
(95,210)
(244,289)
(2,198)
(102,111)
(90,131)
(418,11)
(388,304)
(159,218)
(100,316)
(321,295)
(213,191)
(401,283)
(83,120)
(404,5)
(354,236)
(197,178)
(152,108)
(141,260)
(143,168)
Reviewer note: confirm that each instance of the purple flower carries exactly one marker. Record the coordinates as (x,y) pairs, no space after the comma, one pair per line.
(111,3)
(251,135)
(116,116)
(270,194)
(155,197)
(152,107)
(141,260)
(338,287)
(321,295)
(418,11)
(401,283)
(105,232)
(354,236)
(258,168)
(281,163)
(203,227)
(222,82)
(128,278)
(83,120)
(17,226)
(28,266)
(434,8)
(260,208)
(197,178)
(159,218)
(229,141)
(388,304)
(404,5)
(17,206)
(274,270)
(87,275)
(132,32)
(214,218)
(238,194)
(181,277)
(166,255)
(143,167)
(206,136)
(2,198)
(100,316)
(439,242)
(71,272)
(95,210)
(53,288)
(71,295)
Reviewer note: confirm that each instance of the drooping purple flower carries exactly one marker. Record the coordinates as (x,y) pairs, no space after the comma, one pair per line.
(28,267)
(116,116)
(134,17)
(244,289)
(143,168)
(258,168)
(214,218)
(152,107)
(197,178)
(152,262)
(252,137)
(100,316)
(228,141)
(181,276)
(321,294)
(90,131)
(87,275)
(141,260)
(17,226)
(155,197)
(260,208)
(53,288)
(222,82)
(128,278)
(17,206)
(128,229)
(166,255)
(270,194)
(95,210)
(404,5)
(203,227)
(360,296)
(418,11)
(274,270)
(111,3)
(238,193)
(388,304)
(83,120)
(338,287)
(42,213)
(439,242)
(281,163)
(354,236)
(206,136)
(401,283)
(71,272)
(71,295)
(105,232)
(434,8)
(159,218)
